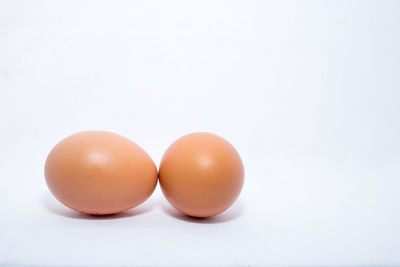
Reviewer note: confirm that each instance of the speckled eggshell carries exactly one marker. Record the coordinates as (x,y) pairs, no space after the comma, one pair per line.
(99,173)
(201,174)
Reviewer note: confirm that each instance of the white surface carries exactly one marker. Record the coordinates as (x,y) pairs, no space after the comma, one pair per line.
(307,91)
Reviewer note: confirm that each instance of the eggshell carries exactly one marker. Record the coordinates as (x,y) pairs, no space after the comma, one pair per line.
(201,174)
(99,172)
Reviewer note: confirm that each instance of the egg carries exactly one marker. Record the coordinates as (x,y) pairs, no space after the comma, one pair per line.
(201,174)
(98,172)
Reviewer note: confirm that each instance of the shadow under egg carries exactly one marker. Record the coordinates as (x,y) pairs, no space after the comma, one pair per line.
(51,205)
(228,215)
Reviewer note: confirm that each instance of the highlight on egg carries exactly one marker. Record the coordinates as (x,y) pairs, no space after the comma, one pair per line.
(201,174)
(99,172)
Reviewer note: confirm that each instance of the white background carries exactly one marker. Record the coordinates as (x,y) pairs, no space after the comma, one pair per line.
(307,91)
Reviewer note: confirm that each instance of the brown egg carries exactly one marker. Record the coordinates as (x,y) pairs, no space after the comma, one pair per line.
(99,172)
(201,174)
